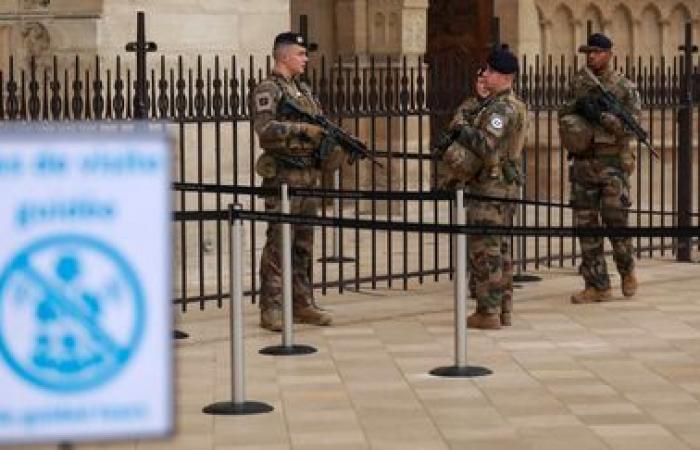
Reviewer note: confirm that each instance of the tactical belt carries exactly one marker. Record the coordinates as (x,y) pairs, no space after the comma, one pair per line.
(600,152)
(295,161)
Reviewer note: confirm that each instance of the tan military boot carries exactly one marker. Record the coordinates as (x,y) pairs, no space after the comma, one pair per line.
(506,310)
(312,315)
(506,319)
(271,319)
(629,285)
(485,321)
(591,295)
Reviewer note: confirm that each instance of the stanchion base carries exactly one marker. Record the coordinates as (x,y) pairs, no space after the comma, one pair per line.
(522,278)
(288,350)
(177,334)
(461,371)
(335,259)
(237,409)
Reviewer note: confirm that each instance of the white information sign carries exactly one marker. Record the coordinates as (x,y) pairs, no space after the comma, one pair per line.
(85,293)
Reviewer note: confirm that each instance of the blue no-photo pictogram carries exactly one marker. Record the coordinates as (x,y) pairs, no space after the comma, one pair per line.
(72,313)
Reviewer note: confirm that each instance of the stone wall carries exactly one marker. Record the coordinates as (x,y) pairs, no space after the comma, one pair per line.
(65,28)
(639,28)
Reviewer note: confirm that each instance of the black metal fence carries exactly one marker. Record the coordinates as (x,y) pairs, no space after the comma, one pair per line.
(388,102)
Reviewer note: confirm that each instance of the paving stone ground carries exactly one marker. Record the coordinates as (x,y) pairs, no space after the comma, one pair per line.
(618,375)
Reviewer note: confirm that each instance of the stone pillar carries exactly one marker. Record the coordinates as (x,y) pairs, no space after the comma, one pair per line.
(666,44)
(636,25)
(546,27)
(579,36)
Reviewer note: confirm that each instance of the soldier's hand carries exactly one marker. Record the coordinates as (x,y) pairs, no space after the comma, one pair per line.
(313,133)
(589,109)
(612,124)
(628,162)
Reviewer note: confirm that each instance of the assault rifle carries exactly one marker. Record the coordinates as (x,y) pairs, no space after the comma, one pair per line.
(447,137)
(334,134)
(608,102)
(443,141)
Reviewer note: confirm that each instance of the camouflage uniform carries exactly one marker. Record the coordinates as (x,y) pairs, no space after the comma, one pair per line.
(602,164)
(465,115)
(487,158)
(282,139)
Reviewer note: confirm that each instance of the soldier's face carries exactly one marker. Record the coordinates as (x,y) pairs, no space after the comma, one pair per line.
(295,58)
(480,87)
(598,59)
(495,81)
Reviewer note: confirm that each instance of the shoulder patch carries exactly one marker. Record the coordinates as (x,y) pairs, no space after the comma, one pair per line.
(496,122)
(263,101)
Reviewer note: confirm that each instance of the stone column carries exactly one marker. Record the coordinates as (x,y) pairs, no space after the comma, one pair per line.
(636,25)
(546,27)
(579,36)
(666,44)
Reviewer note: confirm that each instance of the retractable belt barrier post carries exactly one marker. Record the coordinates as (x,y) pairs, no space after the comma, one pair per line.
(238,404)
(460,368)
(288,347)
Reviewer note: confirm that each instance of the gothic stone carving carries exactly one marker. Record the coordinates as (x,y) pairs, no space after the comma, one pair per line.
(33,5)
(36,39)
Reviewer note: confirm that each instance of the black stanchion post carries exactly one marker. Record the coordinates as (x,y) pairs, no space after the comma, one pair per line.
(288,347)
(460,368)
(238,404)
(520,243)
(177,334)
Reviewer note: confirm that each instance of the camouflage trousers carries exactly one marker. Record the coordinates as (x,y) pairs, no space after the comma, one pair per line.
(302,243)
(490,262)
(600,196)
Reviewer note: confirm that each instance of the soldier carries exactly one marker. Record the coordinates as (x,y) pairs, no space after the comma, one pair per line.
(486,156)
(466,113)
(469,108)
(289,156)
(602,164)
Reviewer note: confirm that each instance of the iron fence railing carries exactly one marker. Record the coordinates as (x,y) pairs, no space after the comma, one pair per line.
(393,104)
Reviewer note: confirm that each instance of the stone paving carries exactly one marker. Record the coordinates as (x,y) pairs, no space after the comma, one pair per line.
(618,375)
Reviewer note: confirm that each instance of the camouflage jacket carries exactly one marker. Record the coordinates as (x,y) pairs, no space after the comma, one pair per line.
(279,133)
(496,137)
(467,111)
(610,132)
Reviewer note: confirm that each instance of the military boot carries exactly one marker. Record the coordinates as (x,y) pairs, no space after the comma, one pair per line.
(313,315)
(591,295)
(506,311)
(271,319)
(629,285)
(485,321)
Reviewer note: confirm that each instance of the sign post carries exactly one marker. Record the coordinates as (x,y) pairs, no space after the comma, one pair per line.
(85,293)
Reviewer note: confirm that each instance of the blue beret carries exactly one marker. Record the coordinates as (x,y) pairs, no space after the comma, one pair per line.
(596,42)
(503,61)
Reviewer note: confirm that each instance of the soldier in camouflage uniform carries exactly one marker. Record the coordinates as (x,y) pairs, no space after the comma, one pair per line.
(602,164)
(465,115)
(289,156)
(486,156)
